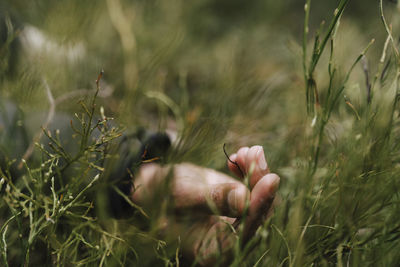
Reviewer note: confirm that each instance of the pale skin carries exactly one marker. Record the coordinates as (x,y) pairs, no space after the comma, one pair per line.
(212,203)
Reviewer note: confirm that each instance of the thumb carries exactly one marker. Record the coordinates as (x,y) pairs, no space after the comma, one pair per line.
(226,199)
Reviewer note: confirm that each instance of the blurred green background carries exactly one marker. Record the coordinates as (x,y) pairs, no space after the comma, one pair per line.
(226,65)
(214,72)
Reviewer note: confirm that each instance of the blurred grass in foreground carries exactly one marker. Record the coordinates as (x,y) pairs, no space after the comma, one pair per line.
(215,72)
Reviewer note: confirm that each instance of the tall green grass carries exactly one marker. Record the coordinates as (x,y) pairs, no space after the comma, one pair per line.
(325,109)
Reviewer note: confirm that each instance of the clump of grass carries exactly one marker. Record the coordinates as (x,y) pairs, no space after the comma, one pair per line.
(50,206)
(342,209)
(338,202)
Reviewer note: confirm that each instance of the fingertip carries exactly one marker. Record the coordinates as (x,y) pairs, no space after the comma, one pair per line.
(228,199)
(260,157)
(261,199)
(232,158)
(263,194)
(256,147)
(242,152)
(267,185)
(253,154)
(234,167)
(255,157)
(241,158)
(237,199)
(273,180)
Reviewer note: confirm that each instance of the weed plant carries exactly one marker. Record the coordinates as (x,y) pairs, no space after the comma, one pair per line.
(326,112)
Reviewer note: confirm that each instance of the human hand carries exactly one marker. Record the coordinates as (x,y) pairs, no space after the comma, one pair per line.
(213,204)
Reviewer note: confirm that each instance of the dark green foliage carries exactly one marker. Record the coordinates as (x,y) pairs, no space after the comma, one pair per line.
(326,111)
